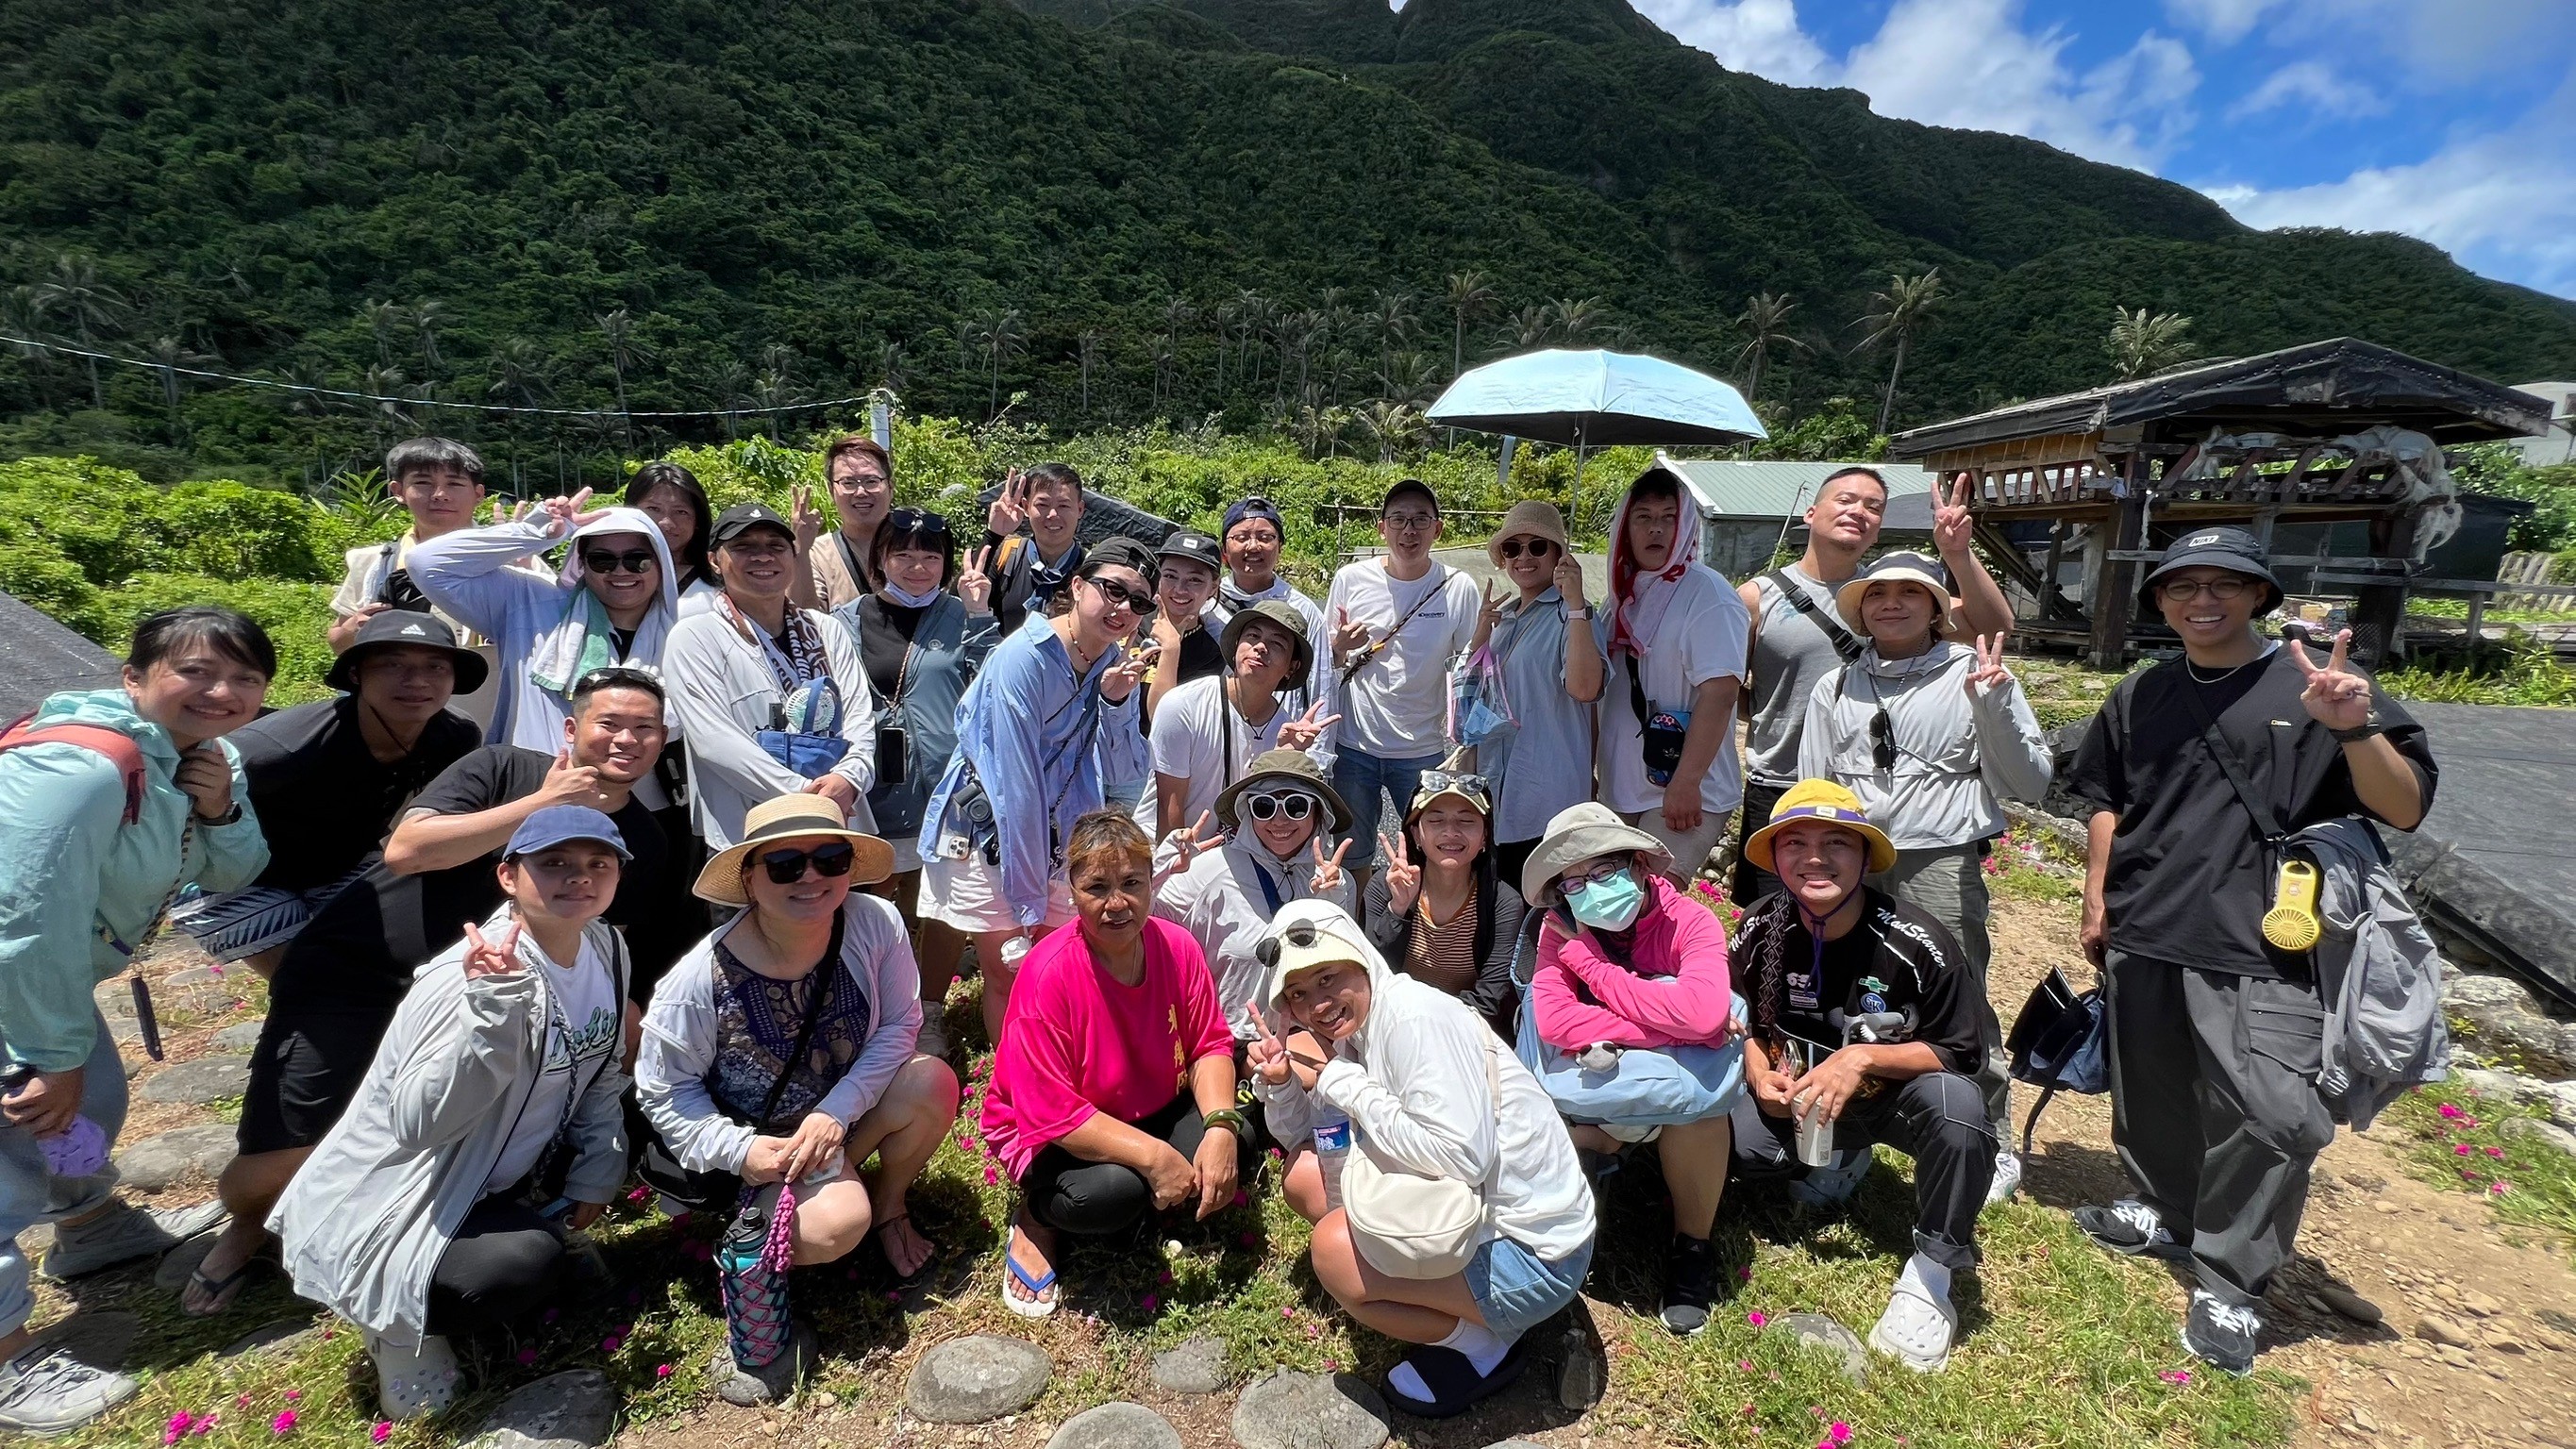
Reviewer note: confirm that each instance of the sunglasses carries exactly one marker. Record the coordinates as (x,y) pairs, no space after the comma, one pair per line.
(787,867)
(613,676)
(1119,596)
(1882,740)
(908,521)
(1435,782)
(1535,547)
(1295,804)
(633,561)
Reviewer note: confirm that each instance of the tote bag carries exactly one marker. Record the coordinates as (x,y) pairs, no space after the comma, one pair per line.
(1648,1087)
(1411,1225)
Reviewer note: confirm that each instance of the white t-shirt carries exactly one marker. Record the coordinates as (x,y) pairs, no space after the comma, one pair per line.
(1189,743)
(1397,706)
(587,996)
(1700,638)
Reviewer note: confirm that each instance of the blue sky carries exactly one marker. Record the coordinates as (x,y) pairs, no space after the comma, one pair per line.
(2450,120)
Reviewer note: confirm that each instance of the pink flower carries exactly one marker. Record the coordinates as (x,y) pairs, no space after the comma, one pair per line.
(241,1401)
(284,1423)
(291,1395)
(992,1175)
(177,1428)
(2176,1376)
(639,1194)
(1757,1318)
(384,1430)
(205,1425)
(2495,1152)
(1150,1302)
(1250,1237)
(527,1356)
(893,1296)
(610,1343)
(661,1371)
(1838,1432)
(1744,1365)
(1241,1197)
(2461,1150)
(2450,1113)
(2499,1189)
(1164,1278)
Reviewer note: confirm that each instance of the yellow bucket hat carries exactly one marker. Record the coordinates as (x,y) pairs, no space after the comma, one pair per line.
(1828,802)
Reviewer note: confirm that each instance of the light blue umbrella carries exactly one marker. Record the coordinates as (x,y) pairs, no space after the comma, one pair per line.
(1595,399)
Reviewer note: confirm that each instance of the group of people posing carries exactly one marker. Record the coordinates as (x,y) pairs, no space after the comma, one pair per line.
(646,841)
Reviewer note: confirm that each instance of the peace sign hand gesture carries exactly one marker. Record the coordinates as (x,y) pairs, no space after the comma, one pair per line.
(807,518)
(1952,524)
(491,957)
(1302,732)
(974,585)
(1327,878)
(1010,509)
(1120,679)
(2336,697)
(569,514)
(1267,1057)
(1486,618)
(1403,877)
(1990,674)
(1187,845)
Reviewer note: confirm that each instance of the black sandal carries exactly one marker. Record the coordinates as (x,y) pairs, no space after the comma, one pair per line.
(224,1291)
(1455,1385)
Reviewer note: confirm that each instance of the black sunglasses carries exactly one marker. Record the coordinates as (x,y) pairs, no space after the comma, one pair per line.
(1121,597)
(787,867)
(1882,740)
(1537,547)
(907,521)
(633,561)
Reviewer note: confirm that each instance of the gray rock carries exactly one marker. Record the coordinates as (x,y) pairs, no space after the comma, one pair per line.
(196,976)
(288,1333)
(2533,1129)
(204,1080)
(241,1036)
(115,999)
(156,1162)
(2468,991)
(1195,1367)
(573,1410)
(2561,1097)
(1815,1330)
(1515,1444)
(1291,1410)
(171,1274)
(2515,1035)
(970,1380)
(2489,1083)
(1116,1426)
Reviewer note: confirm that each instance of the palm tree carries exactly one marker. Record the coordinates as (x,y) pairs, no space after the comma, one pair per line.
(1765,325)
(780,360)
(73,292)
(1001,334)
(169,354)
(1290,332)
(385,384)
(385,321)
(890,360)
(1088,347)
(617,329)
(21,317)
(1177,313)
(518,380)
(426,320)
(1529,327)
(1894,316)
(2144,343)
(1392,322)
(1409,379)
(1396,427)
(773,394)
(1575,318)
(1251,316)
(1469,299)
(1319,430)
(730,383)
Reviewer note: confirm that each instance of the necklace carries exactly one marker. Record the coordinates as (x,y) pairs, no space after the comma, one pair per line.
(2194,670)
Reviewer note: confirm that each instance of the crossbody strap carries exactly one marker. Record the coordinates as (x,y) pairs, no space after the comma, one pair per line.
(1439,585)
(2225,753)
(1844,644)
(831,968)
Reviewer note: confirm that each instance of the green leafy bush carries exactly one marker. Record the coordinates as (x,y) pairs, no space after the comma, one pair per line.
(297,616)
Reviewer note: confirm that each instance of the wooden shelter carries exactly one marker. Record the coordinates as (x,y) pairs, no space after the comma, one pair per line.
(2326,432)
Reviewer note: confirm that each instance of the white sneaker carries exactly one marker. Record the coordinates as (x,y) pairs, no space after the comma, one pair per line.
(412,1381)
(1916,1329)
(124,1233)
(47,1390)
(2007,1177)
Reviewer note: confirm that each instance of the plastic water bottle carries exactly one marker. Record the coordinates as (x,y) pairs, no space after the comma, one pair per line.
(1332,1150)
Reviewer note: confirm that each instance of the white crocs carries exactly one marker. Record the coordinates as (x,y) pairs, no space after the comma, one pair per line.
(414,1381)
(1916,1329)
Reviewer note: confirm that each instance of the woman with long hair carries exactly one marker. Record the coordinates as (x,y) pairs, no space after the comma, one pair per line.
(673,498)
(1438,910)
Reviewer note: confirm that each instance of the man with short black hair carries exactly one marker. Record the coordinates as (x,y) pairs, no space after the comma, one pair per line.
(1028,571)
(1192,563)
(439,482)
(1398,623)
(2196,769)
(1254,534)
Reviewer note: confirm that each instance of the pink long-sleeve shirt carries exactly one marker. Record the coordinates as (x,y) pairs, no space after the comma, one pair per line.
(1677,991)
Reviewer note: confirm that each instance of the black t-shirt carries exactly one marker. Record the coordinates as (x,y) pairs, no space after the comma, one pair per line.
(885,637)
(323,799)
(1894,958)
(1200,657)
(359,951)
(2186,881)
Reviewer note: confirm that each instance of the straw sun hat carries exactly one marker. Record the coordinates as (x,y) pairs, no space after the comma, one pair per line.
(790,817)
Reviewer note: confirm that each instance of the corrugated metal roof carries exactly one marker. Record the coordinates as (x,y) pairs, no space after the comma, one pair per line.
(1730,489)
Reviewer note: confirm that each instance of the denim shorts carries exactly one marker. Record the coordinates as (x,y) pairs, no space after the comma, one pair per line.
(1517,1289)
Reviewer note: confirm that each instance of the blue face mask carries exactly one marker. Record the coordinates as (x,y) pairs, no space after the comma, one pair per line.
(906,597)
(1608,904)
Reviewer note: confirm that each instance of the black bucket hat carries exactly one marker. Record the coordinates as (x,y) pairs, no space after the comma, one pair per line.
(2232,549)
(406,628)
(1276,612)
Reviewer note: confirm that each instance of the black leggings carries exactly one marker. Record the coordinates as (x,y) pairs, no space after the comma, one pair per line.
(500,1269)
(1938,1119)
(1088,1199)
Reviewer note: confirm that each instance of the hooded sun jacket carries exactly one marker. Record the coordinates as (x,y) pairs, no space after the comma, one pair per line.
(722,692)
(1220,901)
(541,626)
(367,1218)
(1417,1079)
(79,887)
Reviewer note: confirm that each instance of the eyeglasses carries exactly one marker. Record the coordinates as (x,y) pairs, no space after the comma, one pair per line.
(2183,591)
(1119,596)
(1438,782)
(1535,548)
(1295,804)
(1882,740)
(787,867)
(633,561)
(1605,870)
(1411,521)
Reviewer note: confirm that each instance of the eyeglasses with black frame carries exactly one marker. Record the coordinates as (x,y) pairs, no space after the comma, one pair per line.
(1601,872)
(831,861)
(1294,804)
(2225,590)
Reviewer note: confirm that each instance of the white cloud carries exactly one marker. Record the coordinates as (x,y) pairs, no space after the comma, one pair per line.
(1758,37)
(2435,42)
(2503,202)
(2224,21)
(2313,88)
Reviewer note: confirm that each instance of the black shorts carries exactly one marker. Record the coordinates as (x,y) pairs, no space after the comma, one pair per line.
(303,1075)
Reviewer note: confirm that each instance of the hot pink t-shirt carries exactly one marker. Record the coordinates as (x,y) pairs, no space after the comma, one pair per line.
(1076,1041)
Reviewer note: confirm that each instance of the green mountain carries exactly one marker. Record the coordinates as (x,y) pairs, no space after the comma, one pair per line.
(1122,210)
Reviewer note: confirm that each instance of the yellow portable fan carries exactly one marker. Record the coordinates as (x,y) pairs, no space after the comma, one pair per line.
(2292,922)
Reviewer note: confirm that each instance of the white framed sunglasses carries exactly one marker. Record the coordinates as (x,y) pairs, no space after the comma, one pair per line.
(1271,804)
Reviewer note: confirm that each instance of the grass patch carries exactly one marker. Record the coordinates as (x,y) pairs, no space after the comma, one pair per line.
(2034,867)
(2459,609)
(2469,1142)
(2520,671)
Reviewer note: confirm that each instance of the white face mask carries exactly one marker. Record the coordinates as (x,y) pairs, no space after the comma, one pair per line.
(906,597)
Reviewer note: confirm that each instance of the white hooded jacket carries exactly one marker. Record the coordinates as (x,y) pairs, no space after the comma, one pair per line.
(1418,1080)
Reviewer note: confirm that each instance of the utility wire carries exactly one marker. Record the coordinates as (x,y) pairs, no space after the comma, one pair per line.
(421,402)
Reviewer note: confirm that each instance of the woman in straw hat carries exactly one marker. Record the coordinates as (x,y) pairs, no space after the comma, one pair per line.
(1628,963)
(1438,910)
(763,1061)
(1433,1094)
(1931,735)
(1540,643)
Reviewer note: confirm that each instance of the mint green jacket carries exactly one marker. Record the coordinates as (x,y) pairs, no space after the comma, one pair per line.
(78,887)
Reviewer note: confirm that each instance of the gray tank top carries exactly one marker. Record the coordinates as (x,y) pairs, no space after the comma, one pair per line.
(1790,653)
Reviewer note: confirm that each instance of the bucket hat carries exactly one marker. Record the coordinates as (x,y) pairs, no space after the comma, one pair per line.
(2233,549)
(786,818)
(1901,567)
(405,628)
(1578,833)
(1533,517)
(1826,801)
(1308,934)
(1279,612)
(1284,767)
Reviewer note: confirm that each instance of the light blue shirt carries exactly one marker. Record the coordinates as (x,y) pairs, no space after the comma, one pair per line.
(1021,728)
(1553,742)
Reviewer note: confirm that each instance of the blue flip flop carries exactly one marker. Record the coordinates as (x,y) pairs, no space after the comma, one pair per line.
(1039,1303)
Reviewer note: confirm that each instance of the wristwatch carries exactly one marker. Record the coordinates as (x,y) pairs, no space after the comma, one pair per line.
(2361,731)
(1227,1118)
(229,817)
(1578,616)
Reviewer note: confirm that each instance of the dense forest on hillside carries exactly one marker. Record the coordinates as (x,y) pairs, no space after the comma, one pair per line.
(1290,214)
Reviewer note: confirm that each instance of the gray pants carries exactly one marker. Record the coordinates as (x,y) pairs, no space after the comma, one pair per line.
(2215,1112)
(31,1194)
(1949,885)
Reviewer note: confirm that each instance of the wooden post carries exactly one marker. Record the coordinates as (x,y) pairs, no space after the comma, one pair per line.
(2048,593)
(2379,615)
(2115,597)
